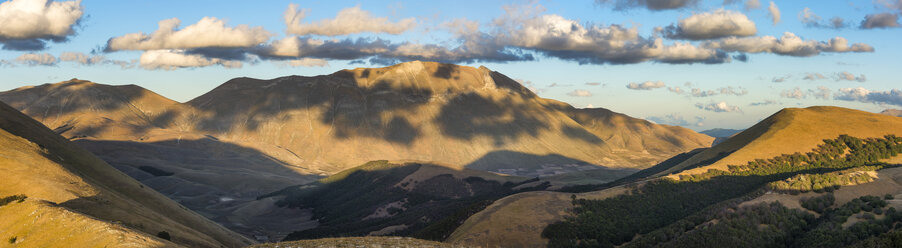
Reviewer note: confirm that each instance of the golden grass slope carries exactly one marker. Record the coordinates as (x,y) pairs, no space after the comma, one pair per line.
(77,200)
(518,220)
(428,111)
(789,131)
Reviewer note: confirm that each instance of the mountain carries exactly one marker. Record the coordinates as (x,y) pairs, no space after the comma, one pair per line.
(720,135)
(71,197)
(892,112)
(429,112)
(421,111)
(79,108)
(217,153)
(796,155)
(721,132)
(789,131)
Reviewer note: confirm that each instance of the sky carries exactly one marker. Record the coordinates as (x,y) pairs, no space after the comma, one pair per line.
(693,63)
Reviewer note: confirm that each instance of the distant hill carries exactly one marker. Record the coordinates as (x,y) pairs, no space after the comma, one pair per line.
(788,131)
(721,132)
(76,199)
(893,112)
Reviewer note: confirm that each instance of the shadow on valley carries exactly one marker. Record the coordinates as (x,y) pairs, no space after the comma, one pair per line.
(216,179)
(525,164)
(412,199)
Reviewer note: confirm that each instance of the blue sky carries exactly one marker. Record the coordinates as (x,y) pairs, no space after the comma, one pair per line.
(575,64)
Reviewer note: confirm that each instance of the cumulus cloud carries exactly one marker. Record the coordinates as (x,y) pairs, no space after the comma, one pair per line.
(559,37)
(655,5)
(764,103)
(796,93)
(892,4)
(814,76)
(82,58)
(30,24)
(774,12)
(881,20)
(206,33)
(822,92)
(752,4)
(678,120)
(303,62)
(781,79)
(174,59)
(348,21)
(697,92)
(33,59)
(647,85)
(810,19)
(710,25)
(580,93)
(850,77)
(788,45)
(719,107)
(860,94)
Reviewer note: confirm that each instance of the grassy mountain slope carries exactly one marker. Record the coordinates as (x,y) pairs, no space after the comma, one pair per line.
(76,198)
(788,131)
(428,112)
(518,220)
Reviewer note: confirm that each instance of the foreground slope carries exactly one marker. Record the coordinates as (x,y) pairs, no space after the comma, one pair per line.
(789,131)
(75,198)
(657,202)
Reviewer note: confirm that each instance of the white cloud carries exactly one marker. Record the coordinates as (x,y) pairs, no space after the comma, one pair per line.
(788,45)
(647,85)
(710,25)
(814,76)
(881,20)
(796,93)
(308,62)
(33,59)
(774,12)
(29,24)
(893,97)
(822,92)
(580,93)
(696,92)
(82,58)
(764,103)
(850,77)
(718,107)
(752,4)
(209,32)
(677,120)
(348,21)
(174,59)
(810,19)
